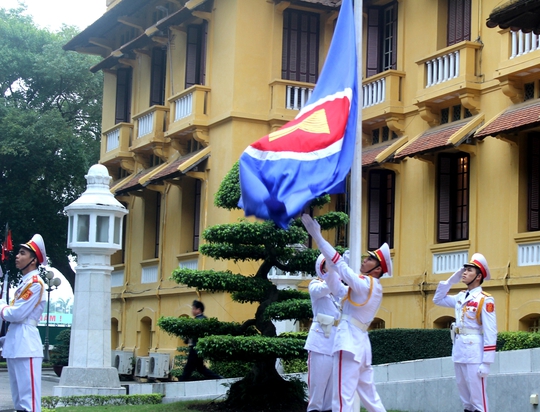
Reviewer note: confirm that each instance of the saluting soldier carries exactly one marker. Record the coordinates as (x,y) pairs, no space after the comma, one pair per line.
(320,340)
(22,347)
(352,370)
(474,332)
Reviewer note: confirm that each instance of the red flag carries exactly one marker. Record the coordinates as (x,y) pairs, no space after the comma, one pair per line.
(9,242)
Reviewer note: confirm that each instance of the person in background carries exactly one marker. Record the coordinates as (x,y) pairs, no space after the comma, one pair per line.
(352,368)
(474,334)
(194,362)
(320,340)
(22,347)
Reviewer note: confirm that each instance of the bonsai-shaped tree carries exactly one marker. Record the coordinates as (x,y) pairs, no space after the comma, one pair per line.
(255,340)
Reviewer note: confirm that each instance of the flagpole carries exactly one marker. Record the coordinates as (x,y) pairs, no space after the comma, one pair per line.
(355,234)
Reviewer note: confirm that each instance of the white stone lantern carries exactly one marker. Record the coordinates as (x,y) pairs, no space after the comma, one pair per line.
(94,233)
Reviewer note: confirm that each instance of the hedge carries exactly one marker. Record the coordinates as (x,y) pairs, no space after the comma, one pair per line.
(50,402)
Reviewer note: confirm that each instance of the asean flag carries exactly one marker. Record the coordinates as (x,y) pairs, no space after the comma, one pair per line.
(311,155)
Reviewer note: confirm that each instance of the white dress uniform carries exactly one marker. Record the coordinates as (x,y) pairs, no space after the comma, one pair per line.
(475,338)
(320,342)
(22,347)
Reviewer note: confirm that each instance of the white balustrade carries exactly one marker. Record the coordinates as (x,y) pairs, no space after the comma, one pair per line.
(442,68)
(523,43)
(189,264)
(183,106)
(149,274)
(449,262)
(113,139)
(297,97)
(373,93)
(529,254)
(146,124)
(117,278)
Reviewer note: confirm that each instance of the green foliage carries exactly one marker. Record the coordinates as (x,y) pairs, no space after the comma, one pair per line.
(285,294)
(195,328)
(517,340)
(289,309)
(100,400)
(60,354)
(228,194)
(294,366)
(50,121)
(398,345)
(250,348)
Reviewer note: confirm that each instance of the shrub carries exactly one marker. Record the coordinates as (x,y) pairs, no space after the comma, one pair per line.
(60,355)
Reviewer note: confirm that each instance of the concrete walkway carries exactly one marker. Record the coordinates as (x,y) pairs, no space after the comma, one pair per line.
(48,381)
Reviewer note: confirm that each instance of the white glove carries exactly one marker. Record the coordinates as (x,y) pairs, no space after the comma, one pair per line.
(347,256)
(456,277)
(2,339)
(483,370)
(312,227)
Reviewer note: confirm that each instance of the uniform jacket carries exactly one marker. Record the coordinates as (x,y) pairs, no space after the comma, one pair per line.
(22,339)
(363,296)
(322,301)
(476,311)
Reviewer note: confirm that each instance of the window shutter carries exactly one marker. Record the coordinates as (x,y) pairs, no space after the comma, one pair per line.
(389,206)
(373,41)
(374,218)
(300,53)
(158,73)
(394,35)
(459,21)
(123,95)
(196,54)
(533,223)
(444,198)
(202,57)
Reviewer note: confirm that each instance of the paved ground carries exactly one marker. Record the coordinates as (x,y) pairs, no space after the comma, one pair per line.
(48,382)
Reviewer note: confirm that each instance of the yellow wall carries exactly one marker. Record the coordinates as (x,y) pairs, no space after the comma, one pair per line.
(243,59)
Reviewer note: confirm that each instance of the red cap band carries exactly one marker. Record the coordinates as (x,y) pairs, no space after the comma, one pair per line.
(32,245)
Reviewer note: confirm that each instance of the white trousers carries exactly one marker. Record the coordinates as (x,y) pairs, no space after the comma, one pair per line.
(25,382)
(471,387)
(320,381)
(350,377)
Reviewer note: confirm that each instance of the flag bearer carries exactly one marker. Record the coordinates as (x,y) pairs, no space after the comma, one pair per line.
(22,347)
(352,368)
(474,333)
(320,340)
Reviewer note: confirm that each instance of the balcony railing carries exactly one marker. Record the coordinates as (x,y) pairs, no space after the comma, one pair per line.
(149,126)
(442,68)
(149,274)
(116,141)
(523,43)
(529,254)
(297,96)
(449,262)
(189,109)
(373,92)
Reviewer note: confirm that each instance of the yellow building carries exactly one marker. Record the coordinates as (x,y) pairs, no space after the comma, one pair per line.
(451,161)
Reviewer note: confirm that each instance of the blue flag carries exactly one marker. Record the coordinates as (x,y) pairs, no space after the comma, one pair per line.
(311,155)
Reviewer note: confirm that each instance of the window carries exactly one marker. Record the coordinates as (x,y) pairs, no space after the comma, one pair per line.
(157,225)
(157,76)
(454,113)
(533,212)
(197,215)
(196,54)
(453,197)
(123,95)
(381,38)
(300,53)
(381,186)
(459,21)
(382,134)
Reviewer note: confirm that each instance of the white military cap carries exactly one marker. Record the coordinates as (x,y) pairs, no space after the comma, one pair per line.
(479,261)
(37,245)
(383,256)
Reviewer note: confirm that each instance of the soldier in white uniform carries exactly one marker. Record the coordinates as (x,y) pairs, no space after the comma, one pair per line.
(474,332)
(352,369)
(320,341)
(22,347)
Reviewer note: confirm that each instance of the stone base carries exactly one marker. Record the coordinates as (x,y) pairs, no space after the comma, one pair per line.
(89,381)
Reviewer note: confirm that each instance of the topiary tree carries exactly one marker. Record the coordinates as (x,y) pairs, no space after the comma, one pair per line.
(254,340)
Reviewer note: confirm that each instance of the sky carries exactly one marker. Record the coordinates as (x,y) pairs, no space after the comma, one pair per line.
(51,14)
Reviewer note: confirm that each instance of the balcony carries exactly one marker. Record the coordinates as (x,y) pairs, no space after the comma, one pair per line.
(115,143)
(288,97)
(381,96)
(149,130)
(189,113)
(449,74)
(520,54)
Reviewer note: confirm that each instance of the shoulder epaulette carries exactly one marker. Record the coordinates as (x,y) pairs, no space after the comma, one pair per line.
(486,294)
(35,279)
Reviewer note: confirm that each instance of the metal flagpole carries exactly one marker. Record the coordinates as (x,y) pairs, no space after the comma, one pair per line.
(355,234)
